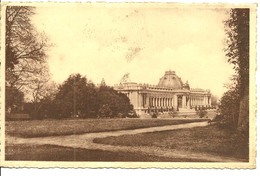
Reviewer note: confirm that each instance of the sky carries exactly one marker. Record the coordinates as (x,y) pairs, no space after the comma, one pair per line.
(108,41)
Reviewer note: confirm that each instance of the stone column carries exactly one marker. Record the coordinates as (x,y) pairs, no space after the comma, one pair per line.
(175,101)
(184,101)
(163,102)
(147,104)
(188,102)
(140,100)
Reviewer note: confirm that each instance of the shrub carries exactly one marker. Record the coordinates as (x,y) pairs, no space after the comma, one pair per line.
(105,111)
(201,113)
(132,114)
(154,115)
(120,115)
(173,113)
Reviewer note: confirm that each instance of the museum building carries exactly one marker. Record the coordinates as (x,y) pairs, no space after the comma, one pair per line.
(171,94)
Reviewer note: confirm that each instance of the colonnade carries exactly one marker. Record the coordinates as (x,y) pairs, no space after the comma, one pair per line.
(199,100)
(160,102)
(164,101)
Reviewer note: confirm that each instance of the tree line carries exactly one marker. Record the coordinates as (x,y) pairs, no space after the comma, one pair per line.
(78,97)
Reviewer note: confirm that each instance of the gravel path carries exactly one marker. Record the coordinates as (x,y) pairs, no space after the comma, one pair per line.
(85,141)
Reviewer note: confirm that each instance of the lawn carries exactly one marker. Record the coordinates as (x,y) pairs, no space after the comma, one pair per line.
(23,152)
(210,139)
(42,128)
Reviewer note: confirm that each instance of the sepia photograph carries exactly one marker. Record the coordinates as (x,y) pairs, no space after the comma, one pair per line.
(130,85)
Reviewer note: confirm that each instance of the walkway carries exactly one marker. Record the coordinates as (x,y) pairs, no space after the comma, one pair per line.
(85,141)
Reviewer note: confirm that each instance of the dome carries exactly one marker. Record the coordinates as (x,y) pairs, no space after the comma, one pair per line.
(171,80)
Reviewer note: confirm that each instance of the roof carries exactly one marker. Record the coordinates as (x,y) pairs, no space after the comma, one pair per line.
(171,80)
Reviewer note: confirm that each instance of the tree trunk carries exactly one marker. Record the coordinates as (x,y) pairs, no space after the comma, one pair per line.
(243,121)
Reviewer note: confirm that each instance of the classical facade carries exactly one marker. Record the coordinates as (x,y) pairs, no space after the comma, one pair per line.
(171,94)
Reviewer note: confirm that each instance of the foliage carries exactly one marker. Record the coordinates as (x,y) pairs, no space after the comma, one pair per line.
(24,46)
(132,114)
(154,114)
(25,51)
(79,97)
(237,51)
(13,99)
(117,102)
(229,107)
(173,113)
(105,111)
(76,97)
(201,113)
(22,41)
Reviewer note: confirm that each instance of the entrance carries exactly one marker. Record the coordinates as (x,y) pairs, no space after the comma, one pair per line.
(179,101)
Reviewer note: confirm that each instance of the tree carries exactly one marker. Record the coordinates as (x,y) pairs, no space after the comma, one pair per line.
(237,51)
(13,99)
(229,106)
(108,98)
(43,93)
(22,40)
(25,49)
(76,97)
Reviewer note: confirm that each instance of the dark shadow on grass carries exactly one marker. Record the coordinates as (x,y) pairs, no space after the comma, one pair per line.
(209,139)
(26,152)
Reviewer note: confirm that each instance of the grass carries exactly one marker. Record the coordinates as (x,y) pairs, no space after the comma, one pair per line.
(23,152)
(43,128)
(210,139)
